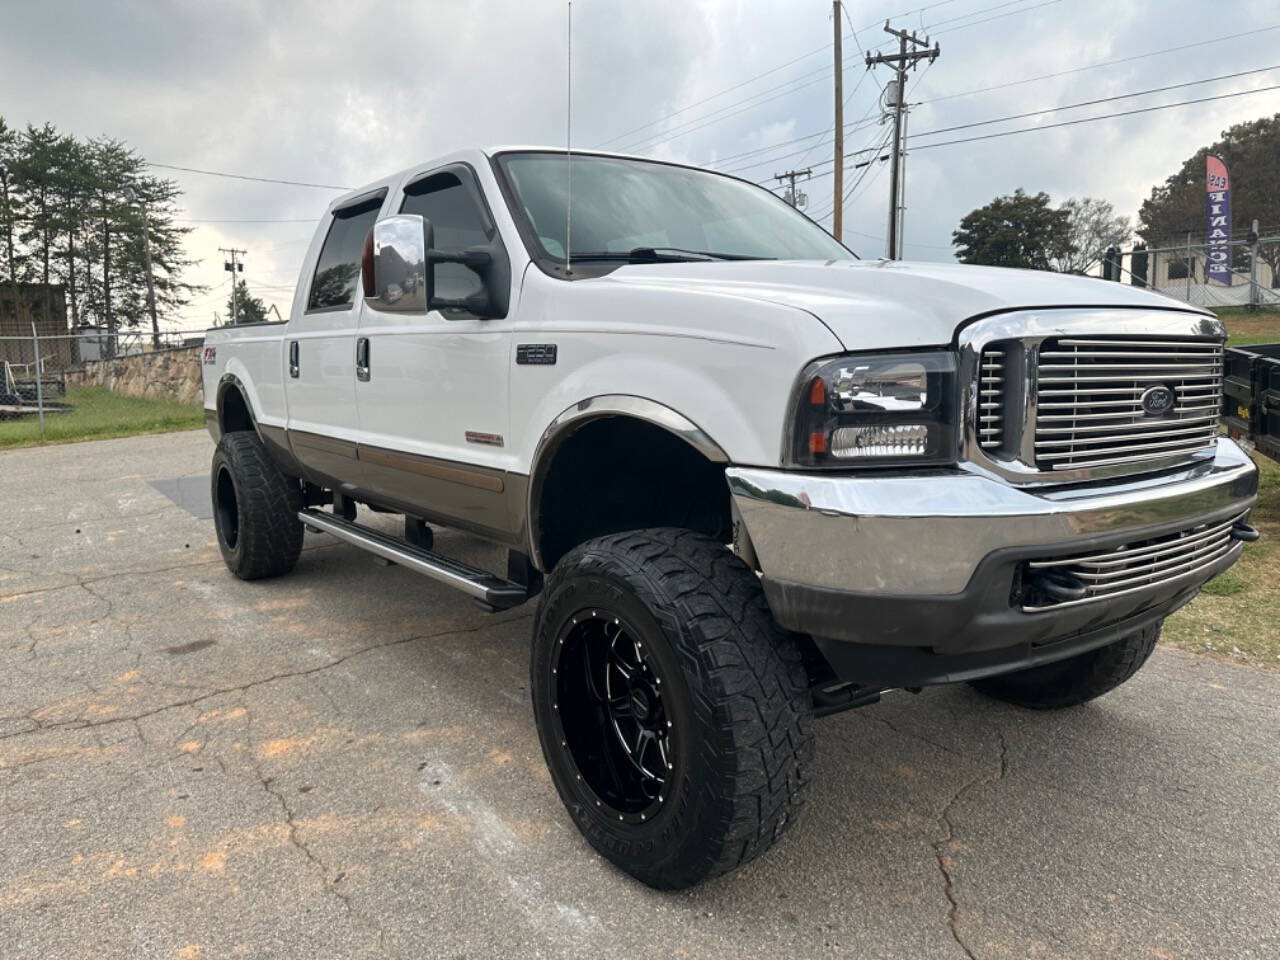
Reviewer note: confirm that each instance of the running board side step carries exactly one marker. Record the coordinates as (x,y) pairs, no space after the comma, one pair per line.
(487,589)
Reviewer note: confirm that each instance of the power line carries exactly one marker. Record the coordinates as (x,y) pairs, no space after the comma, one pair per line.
(241,176)
(1002,86)
(1105,116)
(1105,63)
(758,76)
(684,128)
(244,220)
(1090,103)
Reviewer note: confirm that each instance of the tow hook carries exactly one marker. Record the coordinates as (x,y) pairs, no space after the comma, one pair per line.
(1244,532)
(1059,585)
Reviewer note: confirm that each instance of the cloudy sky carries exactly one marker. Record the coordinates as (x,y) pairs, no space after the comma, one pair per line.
(339,93)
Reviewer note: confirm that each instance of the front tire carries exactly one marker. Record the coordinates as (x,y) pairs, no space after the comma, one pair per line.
(1077,679)
(255,509)
(674,714)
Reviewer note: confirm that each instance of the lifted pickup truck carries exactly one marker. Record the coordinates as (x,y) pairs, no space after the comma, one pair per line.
(749,479)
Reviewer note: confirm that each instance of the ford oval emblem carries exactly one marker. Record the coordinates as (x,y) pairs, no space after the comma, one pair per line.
(1157,401)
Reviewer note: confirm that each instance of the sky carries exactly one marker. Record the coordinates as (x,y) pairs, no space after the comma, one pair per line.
(342,93)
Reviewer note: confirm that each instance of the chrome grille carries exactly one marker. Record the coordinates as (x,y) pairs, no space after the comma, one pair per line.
(1089,400)
(1147,563)
(991,374)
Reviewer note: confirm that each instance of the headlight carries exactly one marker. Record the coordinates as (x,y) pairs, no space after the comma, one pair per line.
(869,409)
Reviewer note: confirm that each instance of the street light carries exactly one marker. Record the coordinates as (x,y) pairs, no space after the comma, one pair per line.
(131,198)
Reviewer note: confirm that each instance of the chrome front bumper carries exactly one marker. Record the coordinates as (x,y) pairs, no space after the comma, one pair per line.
(928,533)
(907,580)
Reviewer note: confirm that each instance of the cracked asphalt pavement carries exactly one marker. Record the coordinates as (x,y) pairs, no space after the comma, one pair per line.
(342,763)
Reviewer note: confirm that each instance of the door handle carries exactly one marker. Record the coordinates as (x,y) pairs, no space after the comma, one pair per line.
(362,358)
(293,358)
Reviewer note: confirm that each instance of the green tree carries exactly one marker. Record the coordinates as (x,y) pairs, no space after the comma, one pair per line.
(8,205)
(1015,231)
(250,309)
(1252,154)
(64,219)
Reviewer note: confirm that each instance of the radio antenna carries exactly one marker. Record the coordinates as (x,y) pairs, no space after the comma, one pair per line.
(568,147)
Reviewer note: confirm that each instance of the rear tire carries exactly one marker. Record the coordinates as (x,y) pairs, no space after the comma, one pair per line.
(1077,679)
(255,509)
(661,641)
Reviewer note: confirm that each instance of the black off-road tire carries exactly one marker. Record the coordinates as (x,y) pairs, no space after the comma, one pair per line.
(1077,679)
(736,693)
(255,509)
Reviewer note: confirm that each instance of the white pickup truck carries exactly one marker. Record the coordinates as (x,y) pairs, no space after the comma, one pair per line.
(749,479)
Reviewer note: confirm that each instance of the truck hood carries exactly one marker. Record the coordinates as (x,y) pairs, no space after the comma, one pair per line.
(872,304)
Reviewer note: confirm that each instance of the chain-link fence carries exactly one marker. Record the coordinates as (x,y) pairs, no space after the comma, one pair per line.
(91,383)
(1179,271)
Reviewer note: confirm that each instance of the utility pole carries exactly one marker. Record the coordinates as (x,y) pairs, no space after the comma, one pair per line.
(131,198)
(911,50)
(837,215)
(792,196)
(233,267)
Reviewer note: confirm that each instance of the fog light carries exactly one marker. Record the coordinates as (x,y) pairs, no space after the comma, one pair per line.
(880,440)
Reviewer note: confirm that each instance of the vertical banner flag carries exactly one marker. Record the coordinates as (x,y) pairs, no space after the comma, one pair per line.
(1217,185)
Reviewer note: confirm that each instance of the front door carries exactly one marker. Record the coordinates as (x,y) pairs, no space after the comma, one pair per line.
(433,401)
(320,368)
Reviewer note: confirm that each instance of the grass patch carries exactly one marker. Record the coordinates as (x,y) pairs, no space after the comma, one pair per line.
(1225,585)
(1245,327)
(98,413)
(1237,615)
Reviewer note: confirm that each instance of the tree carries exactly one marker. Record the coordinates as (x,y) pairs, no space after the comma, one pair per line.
(64,219)
(1092,228)
(1252,154)
(1015,231)
(249,309)
(8,205)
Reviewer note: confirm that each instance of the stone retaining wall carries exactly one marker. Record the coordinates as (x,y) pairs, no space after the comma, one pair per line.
(164,374)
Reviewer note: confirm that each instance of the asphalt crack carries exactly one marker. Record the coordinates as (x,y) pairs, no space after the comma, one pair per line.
(942,843)
(330,887)
(80,724)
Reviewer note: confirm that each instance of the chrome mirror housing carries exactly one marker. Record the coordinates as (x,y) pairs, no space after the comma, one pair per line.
(394,268)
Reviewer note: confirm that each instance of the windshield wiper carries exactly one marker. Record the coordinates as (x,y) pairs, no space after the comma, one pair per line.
(660,255)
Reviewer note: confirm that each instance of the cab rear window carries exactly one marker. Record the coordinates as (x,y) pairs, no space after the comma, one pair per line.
(338,268)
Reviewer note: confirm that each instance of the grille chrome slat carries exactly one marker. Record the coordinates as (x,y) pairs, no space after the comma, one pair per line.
(1144,564)
(1147,428)
(1111,343)
(1129,554)
(991,398)
(1165,449)
(1099,416)
(1089,400)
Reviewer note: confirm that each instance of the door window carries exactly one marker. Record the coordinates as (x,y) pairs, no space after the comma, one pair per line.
(456,219)
(338,269)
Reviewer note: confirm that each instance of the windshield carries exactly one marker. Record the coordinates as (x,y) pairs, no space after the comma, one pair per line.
(643,211)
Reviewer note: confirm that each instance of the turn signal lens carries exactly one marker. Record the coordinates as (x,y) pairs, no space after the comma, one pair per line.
(818,392)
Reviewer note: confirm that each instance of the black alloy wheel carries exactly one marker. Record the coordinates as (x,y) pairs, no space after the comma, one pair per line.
(611,716)
(673,712)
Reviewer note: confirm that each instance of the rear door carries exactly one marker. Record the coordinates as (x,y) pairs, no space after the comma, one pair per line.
(433,409)
(320,373)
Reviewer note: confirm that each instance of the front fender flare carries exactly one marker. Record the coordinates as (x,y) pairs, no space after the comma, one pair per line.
(572,418)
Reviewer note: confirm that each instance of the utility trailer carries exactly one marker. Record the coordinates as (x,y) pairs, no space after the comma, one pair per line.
(1251,396)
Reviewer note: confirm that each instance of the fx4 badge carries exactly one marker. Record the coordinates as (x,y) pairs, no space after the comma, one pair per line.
(210,355)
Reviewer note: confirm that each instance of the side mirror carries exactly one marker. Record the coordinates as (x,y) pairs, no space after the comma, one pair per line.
(398,269)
